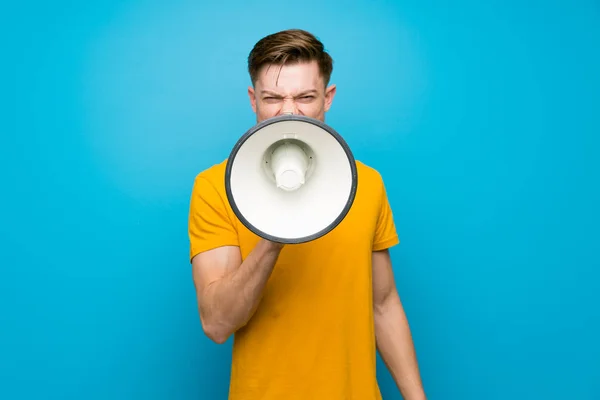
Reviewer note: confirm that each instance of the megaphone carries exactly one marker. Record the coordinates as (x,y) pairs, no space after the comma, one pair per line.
(291,179)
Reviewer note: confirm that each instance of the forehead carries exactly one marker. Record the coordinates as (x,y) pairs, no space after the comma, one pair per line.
(290,78)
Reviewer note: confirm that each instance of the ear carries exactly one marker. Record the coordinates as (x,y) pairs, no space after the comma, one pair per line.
(252,98)
(329,95)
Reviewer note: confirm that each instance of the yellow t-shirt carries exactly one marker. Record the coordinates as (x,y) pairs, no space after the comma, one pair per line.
(312,336)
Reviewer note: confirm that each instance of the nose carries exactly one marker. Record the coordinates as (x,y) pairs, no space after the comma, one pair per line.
(289,107)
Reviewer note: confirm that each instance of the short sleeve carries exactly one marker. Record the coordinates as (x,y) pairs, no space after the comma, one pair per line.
(385,230)
(209,225)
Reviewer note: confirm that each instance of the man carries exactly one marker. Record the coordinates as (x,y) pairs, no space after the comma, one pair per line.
(307,319)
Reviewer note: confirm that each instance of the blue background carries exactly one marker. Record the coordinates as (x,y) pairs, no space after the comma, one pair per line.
(483,118)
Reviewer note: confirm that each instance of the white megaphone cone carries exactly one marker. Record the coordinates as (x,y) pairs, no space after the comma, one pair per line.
(291,179)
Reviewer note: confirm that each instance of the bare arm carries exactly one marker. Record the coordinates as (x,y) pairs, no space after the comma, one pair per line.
(229,290)
(392,331)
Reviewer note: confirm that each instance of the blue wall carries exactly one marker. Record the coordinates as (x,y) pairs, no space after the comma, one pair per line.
(483,117)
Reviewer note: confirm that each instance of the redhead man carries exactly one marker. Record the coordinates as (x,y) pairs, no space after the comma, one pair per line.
(307,319)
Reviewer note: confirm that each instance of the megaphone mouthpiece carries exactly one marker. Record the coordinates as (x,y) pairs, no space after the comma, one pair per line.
(289,164)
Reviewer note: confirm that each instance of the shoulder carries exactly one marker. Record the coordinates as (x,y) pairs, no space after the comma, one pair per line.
(368,175)
(214,175)
(209,184)
(214,172)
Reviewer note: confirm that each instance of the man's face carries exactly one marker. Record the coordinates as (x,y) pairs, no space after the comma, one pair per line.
(298,89)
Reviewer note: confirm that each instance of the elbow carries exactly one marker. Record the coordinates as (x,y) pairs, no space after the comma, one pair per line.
(215,333)
(218,338)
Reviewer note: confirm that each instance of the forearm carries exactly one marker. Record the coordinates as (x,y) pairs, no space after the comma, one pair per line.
(396,347)
(228,303)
